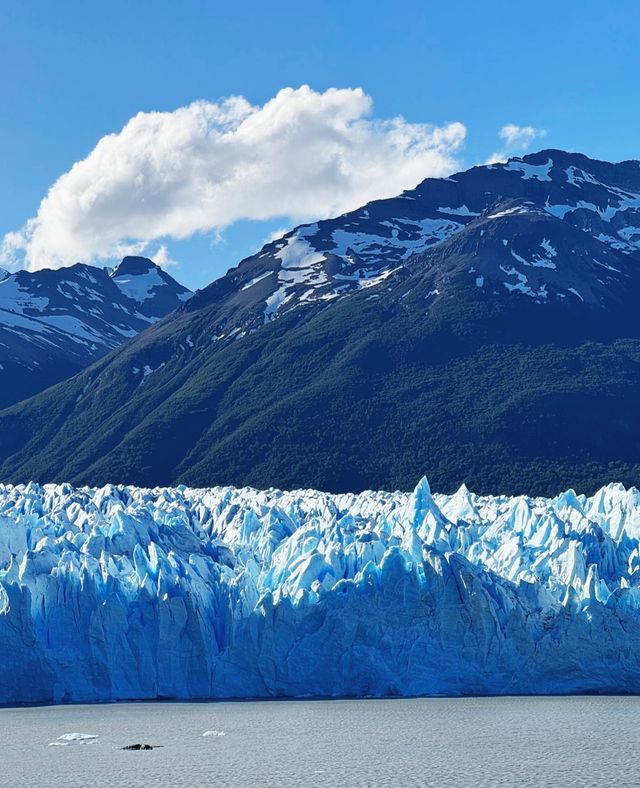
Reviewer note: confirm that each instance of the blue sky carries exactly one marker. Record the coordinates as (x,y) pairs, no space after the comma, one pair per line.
(76,71)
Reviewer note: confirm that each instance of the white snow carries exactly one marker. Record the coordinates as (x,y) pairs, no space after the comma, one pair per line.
(617,202)
(257,279)
(15,298)
(608,267)
(518,209)
(421,234)
(522,285)
(631,236)
(275,301)
(74,738)
(537,261)
(538,172)
(461,211)
(146,371)
(140,287)
(302,276)
(577,176)
(575,292)
(76,329)
(298,253)
(364,278)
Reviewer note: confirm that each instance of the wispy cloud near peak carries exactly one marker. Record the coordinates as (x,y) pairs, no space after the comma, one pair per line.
(515,140)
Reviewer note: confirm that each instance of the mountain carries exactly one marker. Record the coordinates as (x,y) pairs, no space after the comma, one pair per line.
(481,327)
(54,323)
(123,593)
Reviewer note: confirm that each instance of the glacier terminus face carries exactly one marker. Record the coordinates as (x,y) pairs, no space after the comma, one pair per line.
(123,593)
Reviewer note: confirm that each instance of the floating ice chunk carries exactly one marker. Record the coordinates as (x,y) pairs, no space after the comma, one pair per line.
(74,738)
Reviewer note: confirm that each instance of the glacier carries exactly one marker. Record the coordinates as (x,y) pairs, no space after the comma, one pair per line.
(127,593)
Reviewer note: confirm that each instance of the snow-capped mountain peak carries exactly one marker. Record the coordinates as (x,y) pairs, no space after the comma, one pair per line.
(482,327)
(55,322)
(133,265)
(592,210)
(144,282)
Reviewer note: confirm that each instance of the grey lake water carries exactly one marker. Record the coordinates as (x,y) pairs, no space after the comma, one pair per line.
(562,741)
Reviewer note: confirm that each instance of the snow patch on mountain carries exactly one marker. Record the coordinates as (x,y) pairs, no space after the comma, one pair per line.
(303,277)
(334,258)
(298,253)
(460,211)
(16,297)
(578,177)
(274,302)
(538,172)
(256,279)
(140,288)
(56,322)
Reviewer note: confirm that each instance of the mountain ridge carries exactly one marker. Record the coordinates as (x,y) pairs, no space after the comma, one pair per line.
(476,327)
(55,322)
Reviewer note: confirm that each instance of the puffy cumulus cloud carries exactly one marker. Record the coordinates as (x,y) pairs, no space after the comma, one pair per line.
(168,175)
(515,140)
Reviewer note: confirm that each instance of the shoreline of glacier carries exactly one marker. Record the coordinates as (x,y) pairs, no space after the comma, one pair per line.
(125,594)
(42,705)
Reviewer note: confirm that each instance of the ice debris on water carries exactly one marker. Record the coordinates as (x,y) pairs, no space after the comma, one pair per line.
(74,738)
(121,592)
(214,733)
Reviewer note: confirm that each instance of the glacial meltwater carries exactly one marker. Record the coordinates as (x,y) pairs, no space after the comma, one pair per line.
(523,741)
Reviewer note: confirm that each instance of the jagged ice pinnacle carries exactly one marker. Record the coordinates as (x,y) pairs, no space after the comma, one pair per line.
(122,592)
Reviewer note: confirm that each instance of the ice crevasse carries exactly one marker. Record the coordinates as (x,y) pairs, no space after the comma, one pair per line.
(122,592)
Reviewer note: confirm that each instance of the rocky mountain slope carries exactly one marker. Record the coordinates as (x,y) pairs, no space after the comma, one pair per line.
(54,323)
(481,327)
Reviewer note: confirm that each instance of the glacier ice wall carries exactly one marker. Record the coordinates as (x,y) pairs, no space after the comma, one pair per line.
(122,592)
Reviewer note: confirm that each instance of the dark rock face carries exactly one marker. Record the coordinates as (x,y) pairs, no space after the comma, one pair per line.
(480,328)
(139,747)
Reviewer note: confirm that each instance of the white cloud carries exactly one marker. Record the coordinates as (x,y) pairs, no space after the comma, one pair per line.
(167,175)
(516,140)
(162,257)
(273,236)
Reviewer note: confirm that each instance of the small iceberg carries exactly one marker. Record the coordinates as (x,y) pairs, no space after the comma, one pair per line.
(74,738)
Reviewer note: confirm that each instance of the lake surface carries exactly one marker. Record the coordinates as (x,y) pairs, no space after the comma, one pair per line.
(576,741)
